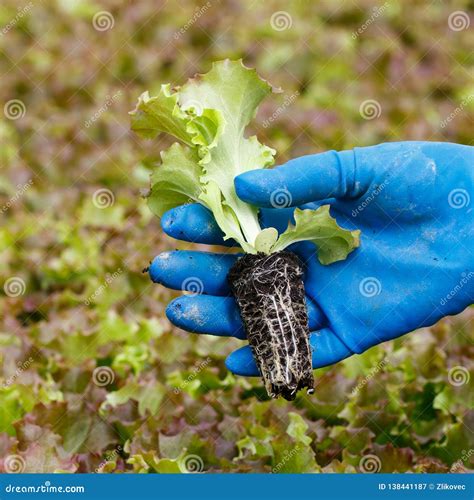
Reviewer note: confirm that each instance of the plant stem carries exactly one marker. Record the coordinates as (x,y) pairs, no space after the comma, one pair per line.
(251,227)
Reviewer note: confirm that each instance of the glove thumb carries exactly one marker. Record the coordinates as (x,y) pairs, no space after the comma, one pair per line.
(302,180)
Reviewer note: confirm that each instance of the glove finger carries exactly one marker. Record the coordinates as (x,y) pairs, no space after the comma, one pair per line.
(206,314)
(194,223)
(191,271)
(279,218)
(302,180)
(220,316)
(327,350)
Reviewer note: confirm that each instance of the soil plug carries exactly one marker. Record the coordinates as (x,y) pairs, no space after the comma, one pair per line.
(270,293)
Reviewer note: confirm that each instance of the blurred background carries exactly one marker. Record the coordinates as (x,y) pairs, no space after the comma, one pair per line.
(93,378)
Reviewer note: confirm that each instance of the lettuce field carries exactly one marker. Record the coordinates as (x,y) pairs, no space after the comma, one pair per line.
(93,377)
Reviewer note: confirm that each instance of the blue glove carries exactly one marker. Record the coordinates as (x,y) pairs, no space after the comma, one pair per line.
(412,202)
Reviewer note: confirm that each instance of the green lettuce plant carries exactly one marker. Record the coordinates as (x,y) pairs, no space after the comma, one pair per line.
(209,116)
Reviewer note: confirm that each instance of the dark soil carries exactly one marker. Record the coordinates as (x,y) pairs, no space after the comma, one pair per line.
(270,293)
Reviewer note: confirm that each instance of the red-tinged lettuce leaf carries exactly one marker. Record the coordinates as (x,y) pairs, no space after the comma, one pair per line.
(289,457)
(352,440)
(459,390)
(200,380)
(42,451)
(148,396)
(426,431)
(430,465)
(150,462)
(339,467)
(294,453)
(392,459)
(16,401)
(331,395)
(458,443)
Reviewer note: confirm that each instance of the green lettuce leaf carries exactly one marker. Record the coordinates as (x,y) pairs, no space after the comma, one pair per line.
(161,113)
(317,226)
(176,181)
(191,124)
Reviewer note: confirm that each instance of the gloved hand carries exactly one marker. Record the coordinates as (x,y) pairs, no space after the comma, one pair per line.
(413,203)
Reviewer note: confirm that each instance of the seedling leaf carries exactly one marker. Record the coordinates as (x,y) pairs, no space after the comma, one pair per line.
(318,226)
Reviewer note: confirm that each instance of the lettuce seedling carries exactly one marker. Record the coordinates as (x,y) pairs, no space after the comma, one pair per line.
(209,115)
